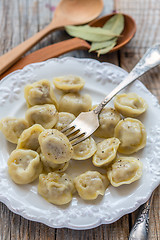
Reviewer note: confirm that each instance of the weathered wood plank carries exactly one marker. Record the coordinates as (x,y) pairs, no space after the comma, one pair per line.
(14,227)
(147,16)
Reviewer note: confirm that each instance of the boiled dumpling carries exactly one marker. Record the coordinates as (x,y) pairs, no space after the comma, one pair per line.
(91,184)
(124,170)
(130,104)
(106,152)
(108,119)
(24,166)
(46,115)
(49,166)
(64,119)
(132,135)
(69,83)
(55,146)
(84,149)
(39,93)
(12,128)
(75,103)
(29,138)
(56,188)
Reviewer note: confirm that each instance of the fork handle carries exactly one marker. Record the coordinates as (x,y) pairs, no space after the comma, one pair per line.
(141,226)
(150,59)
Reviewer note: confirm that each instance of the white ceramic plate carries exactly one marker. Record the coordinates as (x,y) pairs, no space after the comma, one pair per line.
(100,79)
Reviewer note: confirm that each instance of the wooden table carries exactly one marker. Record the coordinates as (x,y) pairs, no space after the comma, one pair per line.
(19,20)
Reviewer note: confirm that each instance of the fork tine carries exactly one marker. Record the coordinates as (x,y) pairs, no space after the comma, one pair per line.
(75,129)
(80,139)
(82,127)
(79,134)
(66,128)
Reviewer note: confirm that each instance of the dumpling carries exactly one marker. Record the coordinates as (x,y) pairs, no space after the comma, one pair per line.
(39,93)
(84,149)
(55,146)
(24,166)
(106,152)
(64,119)
(75,103)
(46,115)
(124,170)
(130,104)
(91,184)
(132,135)
(108,119)
(49,166)
(69,83)
(56,188)
(29,138)
(12,128)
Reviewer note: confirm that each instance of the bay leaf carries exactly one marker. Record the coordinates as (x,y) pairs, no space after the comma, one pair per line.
(92,34)
(115,24)
(107,49)
(99,45)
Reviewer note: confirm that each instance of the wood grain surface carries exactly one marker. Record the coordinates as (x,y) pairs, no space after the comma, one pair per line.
(20,19)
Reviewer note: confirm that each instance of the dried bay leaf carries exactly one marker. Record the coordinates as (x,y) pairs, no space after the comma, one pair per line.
(92,34)
(107,49)
(99,45)
(102,39)
(115,24)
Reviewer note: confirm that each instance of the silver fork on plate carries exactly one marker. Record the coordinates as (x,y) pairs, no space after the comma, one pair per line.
(87,122)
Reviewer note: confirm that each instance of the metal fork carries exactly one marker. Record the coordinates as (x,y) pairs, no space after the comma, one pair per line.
(87,122)
(140,229)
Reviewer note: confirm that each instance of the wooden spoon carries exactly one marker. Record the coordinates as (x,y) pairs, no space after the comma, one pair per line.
(60,48)
(68,12)
(54,50)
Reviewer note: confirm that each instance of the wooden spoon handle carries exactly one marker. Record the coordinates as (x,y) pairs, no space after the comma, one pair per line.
(8,59)
(48,52)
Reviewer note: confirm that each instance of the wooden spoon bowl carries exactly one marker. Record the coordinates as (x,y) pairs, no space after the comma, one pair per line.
(127,34)
(73,12)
